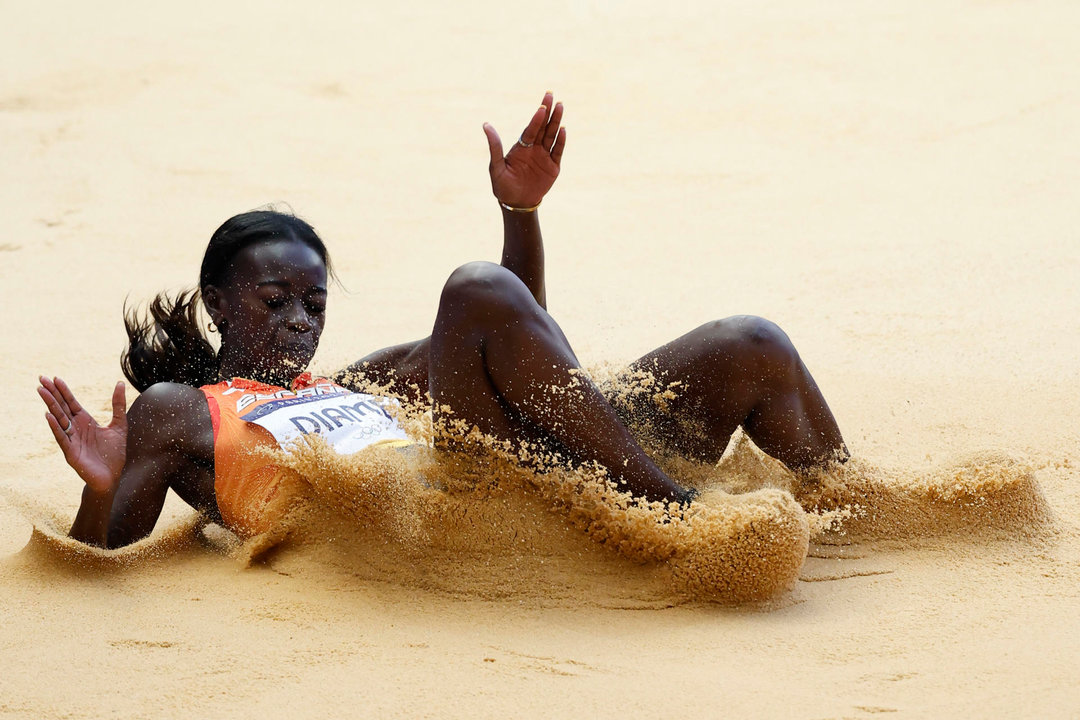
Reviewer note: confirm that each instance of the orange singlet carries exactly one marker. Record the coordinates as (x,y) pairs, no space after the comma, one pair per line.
(249,415)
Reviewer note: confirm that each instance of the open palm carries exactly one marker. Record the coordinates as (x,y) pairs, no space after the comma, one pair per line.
(522,177)
(96,453)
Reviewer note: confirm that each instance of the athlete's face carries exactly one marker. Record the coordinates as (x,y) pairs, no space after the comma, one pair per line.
(271,309)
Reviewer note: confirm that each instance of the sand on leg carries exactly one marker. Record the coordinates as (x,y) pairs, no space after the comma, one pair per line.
(503,365)
(741,370)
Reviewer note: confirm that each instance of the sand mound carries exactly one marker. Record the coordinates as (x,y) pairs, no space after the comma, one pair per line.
(981,495)
(50,546)
(987,494)
(424,517)
(741,547)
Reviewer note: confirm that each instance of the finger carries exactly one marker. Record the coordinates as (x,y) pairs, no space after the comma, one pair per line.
(69,397)
(552,129)
(531,133)
(59,435)
(560,143)
(548,103)
(51,388)
(119,405)
(494,146)
(56,409)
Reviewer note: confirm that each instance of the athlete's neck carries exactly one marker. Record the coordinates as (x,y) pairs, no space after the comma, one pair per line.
(278,376)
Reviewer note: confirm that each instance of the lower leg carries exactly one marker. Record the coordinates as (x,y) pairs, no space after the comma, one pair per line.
(502,364)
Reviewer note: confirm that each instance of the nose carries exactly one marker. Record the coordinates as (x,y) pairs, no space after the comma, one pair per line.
(298,320)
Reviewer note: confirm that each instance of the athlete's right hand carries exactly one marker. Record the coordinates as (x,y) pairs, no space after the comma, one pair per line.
(96,453)
(522,177)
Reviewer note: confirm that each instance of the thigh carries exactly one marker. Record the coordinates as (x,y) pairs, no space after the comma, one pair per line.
(462,393)
(689,395)
(477,303)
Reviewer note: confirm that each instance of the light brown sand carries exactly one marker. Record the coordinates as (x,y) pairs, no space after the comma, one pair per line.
(895,185)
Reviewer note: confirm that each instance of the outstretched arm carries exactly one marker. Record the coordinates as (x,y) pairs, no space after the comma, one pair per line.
(520,179)
(129,465)
(96,453)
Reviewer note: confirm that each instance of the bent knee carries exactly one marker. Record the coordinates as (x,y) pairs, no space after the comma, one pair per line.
(485,283)
(763,341)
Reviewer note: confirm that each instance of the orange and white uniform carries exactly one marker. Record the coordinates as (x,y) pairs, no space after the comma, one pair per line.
(249,415)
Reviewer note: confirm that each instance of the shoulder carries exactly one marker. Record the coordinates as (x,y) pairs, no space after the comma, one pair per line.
(171,414)
(169,398)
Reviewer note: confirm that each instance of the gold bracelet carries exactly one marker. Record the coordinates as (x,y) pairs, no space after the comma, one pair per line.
(519,210)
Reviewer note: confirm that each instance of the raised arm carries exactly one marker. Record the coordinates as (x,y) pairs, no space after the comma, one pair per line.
(520,179)
(129,465)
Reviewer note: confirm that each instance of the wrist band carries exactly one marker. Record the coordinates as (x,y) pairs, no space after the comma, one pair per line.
(519,210)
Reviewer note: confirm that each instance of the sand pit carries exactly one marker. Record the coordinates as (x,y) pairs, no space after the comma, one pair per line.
(893,185)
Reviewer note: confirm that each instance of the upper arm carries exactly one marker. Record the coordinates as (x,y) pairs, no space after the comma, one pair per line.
(400,369)
(168,428)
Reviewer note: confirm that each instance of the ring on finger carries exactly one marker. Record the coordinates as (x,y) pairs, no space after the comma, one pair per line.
(524,144)
(70,427)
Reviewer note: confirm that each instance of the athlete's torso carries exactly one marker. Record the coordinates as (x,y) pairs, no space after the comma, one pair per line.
(250,417)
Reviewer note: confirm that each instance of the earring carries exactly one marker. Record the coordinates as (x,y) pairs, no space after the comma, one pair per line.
(211,327)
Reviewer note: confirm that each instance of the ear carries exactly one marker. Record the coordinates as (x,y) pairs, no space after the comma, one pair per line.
(215,304)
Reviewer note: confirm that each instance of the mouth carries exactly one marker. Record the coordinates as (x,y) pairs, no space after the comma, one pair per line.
(297,341)
(297,351)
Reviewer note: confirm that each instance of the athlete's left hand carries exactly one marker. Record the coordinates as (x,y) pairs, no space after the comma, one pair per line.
(523,176)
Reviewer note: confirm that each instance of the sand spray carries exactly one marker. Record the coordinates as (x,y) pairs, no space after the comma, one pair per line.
(493,519)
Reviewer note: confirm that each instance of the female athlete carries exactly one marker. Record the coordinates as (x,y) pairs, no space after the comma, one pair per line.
(495,357)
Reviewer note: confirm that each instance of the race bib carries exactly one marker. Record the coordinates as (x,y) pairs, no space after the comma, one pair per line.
(348,421)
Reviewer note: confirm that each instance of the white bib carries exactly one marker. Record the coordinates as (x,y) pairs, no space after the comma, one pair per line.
(348,421)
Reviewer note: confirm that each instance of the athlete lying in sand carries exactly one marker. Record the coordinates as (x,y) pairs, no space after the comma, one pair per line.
(495,357)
